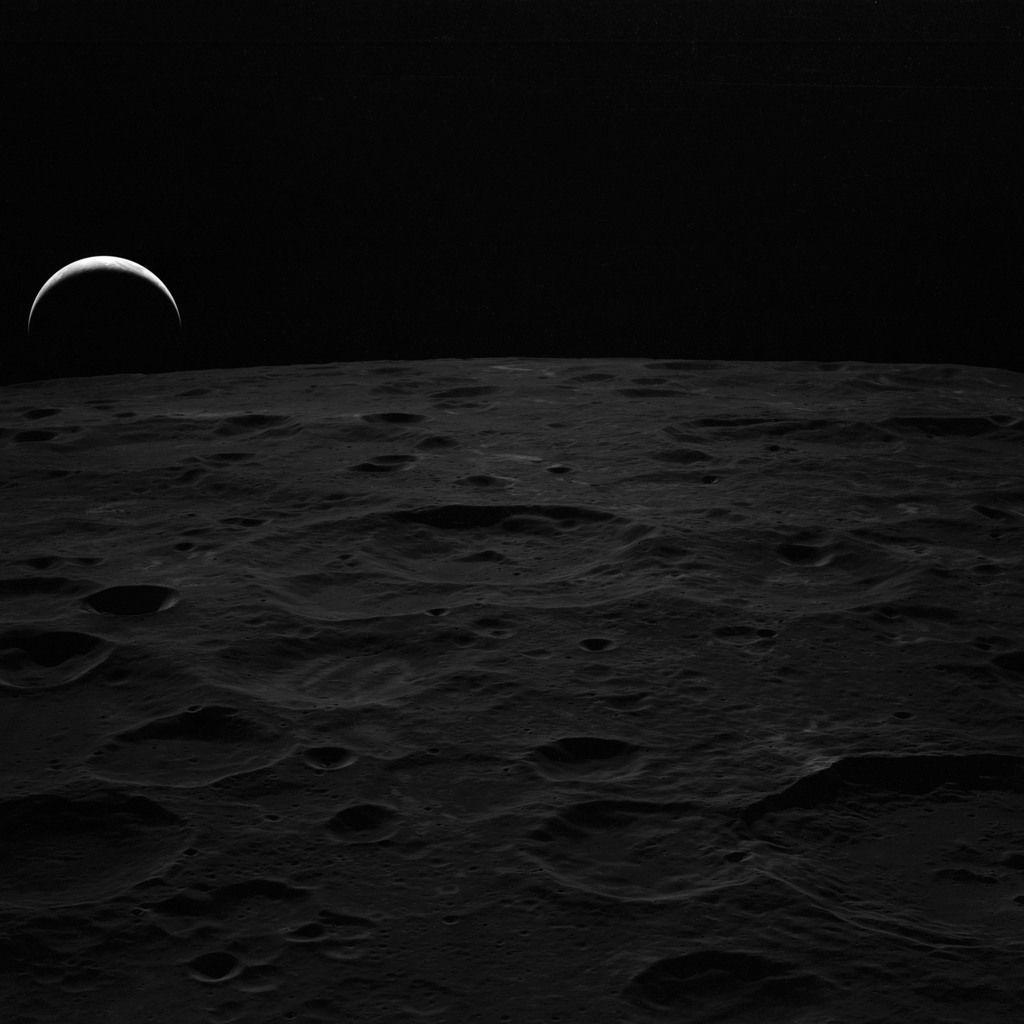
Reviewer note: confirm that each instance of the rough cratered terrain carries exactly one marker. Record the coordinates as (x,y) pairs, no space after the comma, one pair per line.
(513,690)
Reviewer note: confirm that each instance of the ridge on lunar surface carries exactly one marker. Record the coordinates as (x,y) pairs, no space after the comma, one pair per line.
(604,690)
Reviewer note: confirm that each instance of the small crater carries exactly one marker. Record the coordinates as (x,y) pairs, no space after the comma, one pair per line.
(580,756)
(478,391)
(744,636)
(486,481)
(392,417)
(433,443)
(496,627)
(385,464)
(313,931)
(48,648)
(210,724)
(583,749)
(69,850)
(488,555)
(1012,661)
(328,758)
(802,554)
(992,513)
(250,422)
(597,643)
(964,875)
(28,586)
(943,426)
(394,460)
(484,517)
(227,900)
(228,457)
(29,436)
(242,521)
(681,456)
(915,775)
(197,747)
(720,981)
(139,599)
(537,526)
(648,393)
(364,823)
(627,701)
(214,967)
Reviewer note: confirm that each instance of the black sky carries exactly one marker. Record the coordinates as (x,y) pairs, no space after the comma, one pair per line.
(375,180)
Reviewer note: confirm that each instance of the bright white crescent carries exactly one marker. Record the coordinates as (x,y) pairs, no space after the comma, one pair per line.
(117,264)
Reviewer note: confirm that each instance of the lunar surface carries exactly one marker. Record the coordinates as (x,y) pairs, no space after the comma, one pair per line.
(514,690)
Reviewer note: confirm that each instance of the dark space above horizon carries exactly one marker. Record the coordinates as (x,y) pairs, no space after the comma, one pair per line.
(324,182)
